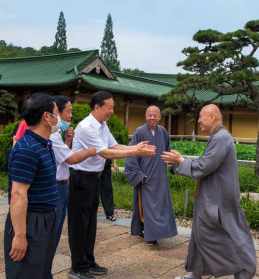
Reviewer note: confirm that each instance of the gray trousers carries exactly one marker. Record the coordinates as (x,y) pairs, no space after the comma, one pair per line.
(36,263)
(244,275)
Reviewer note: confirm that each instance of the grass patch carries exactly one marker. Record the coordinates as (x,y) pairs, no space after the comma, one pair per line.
(122,191)
(3,181)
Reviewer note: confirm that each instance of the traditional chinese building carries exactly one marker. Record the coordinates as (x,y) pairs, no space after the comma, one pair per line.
(80,74)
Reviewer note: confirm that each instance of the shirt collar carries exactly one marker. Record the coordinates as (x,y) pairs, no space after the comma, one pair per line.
(45,142)
(96,123)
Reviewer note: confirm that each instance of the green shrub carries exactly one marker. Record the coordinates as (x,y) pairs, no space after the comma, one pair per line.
(251,209)
(182,188)
(122,191)
(249,182)
(181,183)
(244,151)
(189,147)
(178,199)
(6,140)
(80,111)
(3,181)
(117,128)
(119,131)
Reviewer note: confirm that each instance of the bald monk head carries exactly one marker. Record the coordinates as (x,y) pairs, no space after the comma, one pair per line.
(210,119)
(153,116)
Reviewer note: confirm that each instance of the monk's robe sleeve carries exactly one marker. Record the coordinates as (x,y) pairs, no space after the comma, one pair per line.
(133,170)
(208,163)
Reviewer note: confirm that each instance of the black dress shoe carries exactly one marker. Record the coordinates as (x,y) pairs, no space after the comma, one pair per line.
(96,269)
(141,234)
(111,218)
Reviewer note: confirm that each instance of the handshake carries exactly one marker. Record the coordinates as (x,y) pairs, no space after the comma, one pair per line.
(170,157)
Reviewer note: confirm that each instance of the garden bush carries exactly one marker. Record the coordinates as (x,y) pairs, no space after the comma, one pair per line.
(249,182)
(251,209)
(244,151)
(6,140)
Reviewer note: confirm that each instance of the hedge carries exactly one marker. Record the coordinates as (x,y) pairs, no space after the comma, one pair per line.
(244,151)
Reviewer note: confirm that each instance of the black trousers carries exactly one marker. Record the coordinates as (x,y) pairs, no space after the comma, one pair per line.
(41,244)
(82,218)
(105,189)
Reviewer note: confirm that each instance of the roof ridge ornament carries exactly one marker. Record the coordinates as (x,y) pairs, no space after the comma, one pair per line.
(99,67)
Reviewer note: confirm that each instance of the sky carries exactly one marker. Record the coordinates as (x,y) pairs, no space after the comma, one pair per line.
(149,34)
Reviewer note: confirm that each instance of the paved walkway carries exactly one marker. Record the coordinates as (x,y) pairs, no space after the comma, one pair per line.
(127,257)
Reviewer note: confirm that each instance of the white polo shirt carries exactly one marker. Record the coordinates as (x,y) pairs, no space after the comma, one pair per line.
(91,133)
(62,152)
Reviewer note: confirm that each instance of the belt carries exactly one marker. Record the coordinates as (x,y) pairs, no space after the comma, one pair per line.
(96,173)
(41,209)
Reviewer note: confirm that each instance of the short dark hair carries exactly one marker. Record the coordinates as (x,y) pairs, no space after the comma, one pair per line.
(61,102)
(35,106)
(99,97)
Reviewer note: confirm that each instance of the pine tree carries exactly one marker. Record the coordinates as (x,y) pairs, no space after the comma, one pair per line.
(108,47)
(60,43)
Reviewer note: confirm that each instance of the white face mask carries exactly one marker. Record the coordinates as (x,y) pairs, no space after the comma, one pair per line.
(54,129)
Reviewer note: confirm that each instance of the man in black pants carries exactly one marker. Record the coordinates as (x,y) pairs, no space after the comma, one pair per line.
(33,196)
(85,177)
(106,192)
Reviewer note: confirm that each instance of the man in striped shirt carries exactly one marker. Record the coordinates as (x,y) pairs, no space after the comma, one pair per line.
(32,194)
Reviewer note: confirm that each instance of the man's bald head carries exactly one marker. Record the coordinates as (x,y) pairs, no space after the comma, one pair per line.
(153,116)
(210,118)
(153,108)
(213,110)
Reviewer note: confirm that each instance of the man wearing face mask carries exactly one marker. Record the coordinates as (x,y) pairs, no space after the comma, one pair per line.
(31,221)
(61,141)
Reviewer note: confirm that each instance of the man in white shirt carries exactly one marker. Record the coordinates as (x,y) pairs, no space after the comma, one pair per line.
(92,132)
(61,143)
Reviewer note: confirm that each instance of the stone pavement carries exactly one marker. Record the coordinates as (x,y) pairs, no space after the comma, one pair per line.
(127,257)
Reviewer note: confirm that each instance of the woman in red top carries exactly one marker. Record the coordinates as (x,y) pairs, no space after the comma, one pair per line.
(20,131)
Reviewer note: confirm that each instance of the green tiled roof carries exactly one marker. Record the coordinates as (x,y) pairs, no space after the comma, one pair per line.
(62,69)
(168,78)
(208,95)
(127,84)
(45,70)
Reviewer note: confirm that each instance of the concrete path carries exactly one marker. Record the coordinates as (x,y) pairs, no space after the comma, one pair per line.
(125,256)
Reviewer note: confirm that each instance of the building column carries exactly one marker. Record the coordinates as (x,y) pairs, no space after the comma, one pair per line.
(169,126)
(126,114)
(230,122)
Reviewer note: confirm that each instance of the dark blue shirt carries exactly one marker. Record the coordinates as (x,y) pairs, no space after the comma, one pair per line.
(32,162)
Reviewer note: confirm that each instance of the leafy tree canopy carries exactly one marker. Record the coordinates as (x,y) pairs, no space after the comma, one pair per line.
(108,46)
(60,43)
(225,63)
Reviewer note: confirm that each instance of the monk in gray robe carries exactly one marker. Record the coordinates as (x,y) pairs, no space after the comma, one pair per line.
(152,207)
(221,243)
